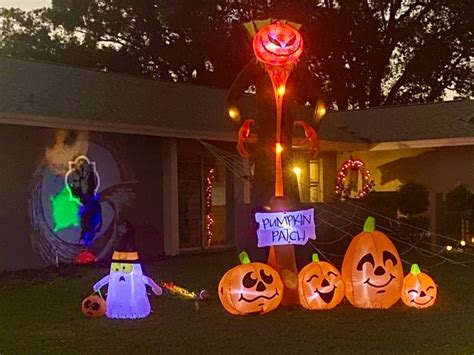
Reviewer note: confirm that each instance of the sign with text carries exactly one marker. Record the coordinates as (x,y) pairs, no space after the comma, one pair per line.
(284,228)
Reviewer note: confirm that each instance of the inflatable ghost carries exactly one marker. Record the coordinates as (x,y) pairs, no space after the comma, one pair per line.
(126,294)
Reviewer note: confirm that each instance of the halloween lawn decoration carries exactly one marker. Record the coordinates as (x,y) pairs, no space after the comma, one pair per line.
(371,270)
(320,285)
(277,47)
(93,306)
(419,290)
(250,288)
(126,294)
(82,182)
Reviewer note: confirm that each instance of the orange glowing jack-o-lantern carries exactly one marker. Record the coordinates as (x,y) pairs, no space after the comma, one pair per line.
(250,288)
(371,270)
(320,285)
(278,44)
(419,290)
(93,306)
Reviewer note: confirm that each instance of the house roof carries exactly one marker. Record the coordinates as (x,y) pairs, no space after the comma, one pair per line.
(45,94)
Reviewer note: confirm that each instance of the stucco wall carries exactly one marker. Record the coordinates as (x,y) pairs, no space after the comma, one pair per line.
(439,169)
(24,168)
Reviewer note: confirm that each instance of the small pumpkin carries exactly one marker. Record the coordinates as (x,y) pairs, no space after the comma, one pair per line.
(419,289)
(320,285)
(93,306)
(250,288)
(372,270)
(278,44)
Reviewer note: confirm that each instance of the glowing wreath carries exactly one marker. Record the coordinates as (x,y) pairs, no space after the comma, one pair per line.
(344,191)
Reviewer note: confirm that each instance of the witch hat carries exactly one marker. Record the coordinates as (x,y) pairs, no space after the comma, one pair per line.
(125,250)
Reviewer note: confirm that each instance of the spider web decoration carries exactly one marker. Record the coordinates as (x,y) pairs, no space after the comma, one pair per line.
(339,221)
(343,190)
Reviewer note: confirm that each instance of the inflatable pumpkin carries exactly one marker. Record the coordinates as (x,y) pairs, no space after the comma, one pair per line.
(94,306)
(320,285)
(419,290)
(372,270)
(250,288)
(278,44)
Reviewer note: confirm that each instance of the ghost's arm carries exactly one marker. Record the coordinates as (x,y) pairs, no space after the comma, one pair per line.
(154,286)
(245,78)
(101,283)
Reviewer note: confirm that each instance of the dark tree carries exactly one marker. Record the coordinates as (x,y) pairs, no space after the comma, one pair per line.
(367,52)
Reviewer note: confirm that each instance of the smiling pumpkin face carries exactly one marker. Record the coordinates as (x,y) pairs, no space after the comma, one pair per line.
(250,288)
(372,270)
(278,44)
(419,290)
(320,285)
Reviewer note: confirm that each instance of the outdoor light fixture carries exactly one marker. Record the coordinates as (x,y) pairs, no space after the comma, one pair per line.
(463,243)
(449,247)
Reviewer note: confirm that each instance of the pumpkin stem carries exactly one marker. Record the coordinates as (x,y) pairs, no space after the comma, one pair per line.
(244,258)
(415,269)
(315,258)
(369,225)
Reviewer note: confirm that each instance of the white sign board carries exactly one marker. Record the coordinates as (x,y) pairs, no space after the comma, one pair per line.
(284,228)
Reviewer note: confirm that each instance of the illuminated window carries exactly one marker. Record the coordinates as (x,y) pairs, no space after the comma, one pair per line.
(316,180)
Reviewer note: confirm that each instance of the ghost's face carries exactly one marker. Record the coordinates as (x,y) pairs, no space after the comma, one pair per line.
(124,275)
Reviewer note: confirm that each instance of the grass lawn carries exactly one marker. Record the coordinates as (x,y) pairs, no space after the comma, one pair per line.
(40,313)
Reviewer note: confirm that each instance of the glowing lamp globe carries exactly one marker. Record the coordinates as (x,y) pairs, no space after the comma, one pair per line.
(278,44)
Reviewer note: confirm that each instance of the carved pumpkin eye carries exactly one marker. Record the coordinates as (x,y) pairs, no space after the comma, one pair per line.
(429,288)
(95,306)
(332,273)
(367,258)
(248,281)
(273,40)
(268,279)
(291,41)
(386,255)
(87,304)
(413,291)
(312,277)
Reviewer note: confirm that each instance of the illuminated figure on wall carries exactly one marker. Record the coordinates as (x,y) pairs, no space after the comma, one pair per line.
(126,295)
(82,181)
(82,209)
(279,82)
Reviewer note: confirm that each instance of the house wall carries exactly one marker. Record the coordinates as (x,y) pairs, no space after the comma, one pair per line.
(439,169)
(32,165)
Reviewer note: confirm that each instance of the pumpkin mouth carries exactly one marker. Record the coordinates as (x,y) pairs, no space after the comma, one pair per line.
(379,286)
(326,296)
(423,303)
(276,54)
(242,298)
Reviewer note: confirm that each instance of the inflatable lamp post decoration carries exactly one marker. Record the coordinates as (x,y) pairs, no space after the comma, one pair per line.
(250,288)
(320,285)
(277,47)
(353,165)
(126,296)
(419,290)
(372,270)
